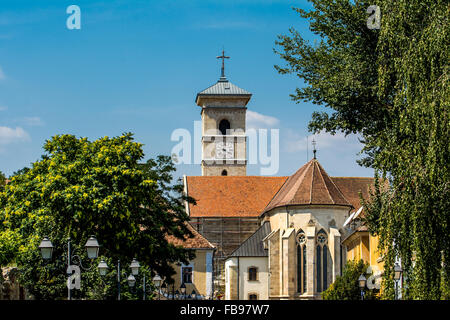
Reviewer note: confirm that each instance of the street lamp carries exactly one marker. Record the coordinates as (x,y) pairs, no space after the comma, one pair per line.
(362,284)
(193,294)
(157,281)
(102,267)
(46,248)
(397,275)
(183,290)
(135,267)
(131,281)
(177,294)
(92,247)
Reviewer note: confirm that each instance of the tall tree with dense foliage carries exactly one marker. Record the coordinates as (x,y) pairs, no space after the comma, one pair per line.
(81,188)
(391,86)
(2,180)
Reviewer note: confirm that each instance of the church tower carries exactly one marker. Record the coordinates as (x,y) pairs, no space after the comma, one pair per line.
(224,142)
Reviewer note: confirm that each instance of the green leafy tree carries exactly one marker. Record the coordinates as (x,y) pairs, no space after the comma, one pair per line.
(391,86)
(346,287)
(81,188)
(2,180)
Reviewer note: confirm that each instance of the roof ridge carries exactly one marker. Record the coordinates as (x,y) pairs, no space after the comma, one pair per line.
(339,190)
(275,195)
(302,175)
(325,184)
(312,184)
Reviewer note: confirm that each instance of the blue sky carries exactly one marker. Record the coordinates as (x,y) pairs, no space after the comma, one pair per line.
(136,66)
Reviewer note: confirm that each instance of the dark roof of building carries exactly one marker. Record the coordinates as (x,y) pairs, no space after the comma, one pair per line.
(253,246)
(231,196)
(223,87)
(310,185)
(196,242)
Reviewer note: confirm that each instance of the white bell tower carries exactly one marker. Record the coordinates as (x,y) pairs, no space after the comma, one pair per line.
(224,142)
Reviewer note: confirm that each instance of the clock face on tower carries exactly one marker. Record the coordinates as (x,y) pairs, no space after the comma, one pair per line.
(224,150)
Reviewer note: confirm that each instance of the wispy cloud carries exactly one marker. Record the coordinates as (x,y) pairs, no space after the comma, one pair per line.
(33,121)
(10,135)
(3,108)
(257,120)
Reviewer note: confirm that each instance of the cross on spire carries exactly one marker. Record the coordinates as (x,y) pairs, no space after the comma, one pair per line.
(223,57)
(314,147)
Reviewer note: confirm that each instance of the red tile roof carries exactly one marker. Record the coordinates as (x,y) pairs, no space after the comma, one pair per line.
(351,186)
(196,242)
(240,196)
(310,185)
(231,196)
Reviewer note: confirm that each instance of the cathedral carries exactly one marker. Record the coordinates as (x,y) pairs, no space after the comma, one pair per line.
(275,237)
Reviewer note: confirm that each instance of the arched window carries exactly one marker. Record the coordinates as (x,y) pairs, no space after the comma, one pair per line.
(322,260)
(224,125)
(252,274)
(224,173)
(301,262)
(252,296)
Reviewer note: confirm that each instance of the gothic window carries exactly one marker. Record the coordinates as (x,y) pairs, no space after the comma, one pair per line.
(224,173)
(301,262)
(224,125)
(252,274)
(321,260)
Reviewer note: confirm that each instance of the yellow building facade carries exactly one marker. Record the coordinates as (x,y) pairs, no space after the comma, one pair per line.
(196,277)
(361,245)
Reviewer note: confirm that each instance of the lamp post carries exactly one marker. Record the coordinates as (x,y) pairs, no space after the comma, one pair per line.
(92,248)
(134,266)
(397,276)
(131,281)
(362,284)
(46,248)
(183,290)
(157,281)
(164,290)
(193,294)
(102,267)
